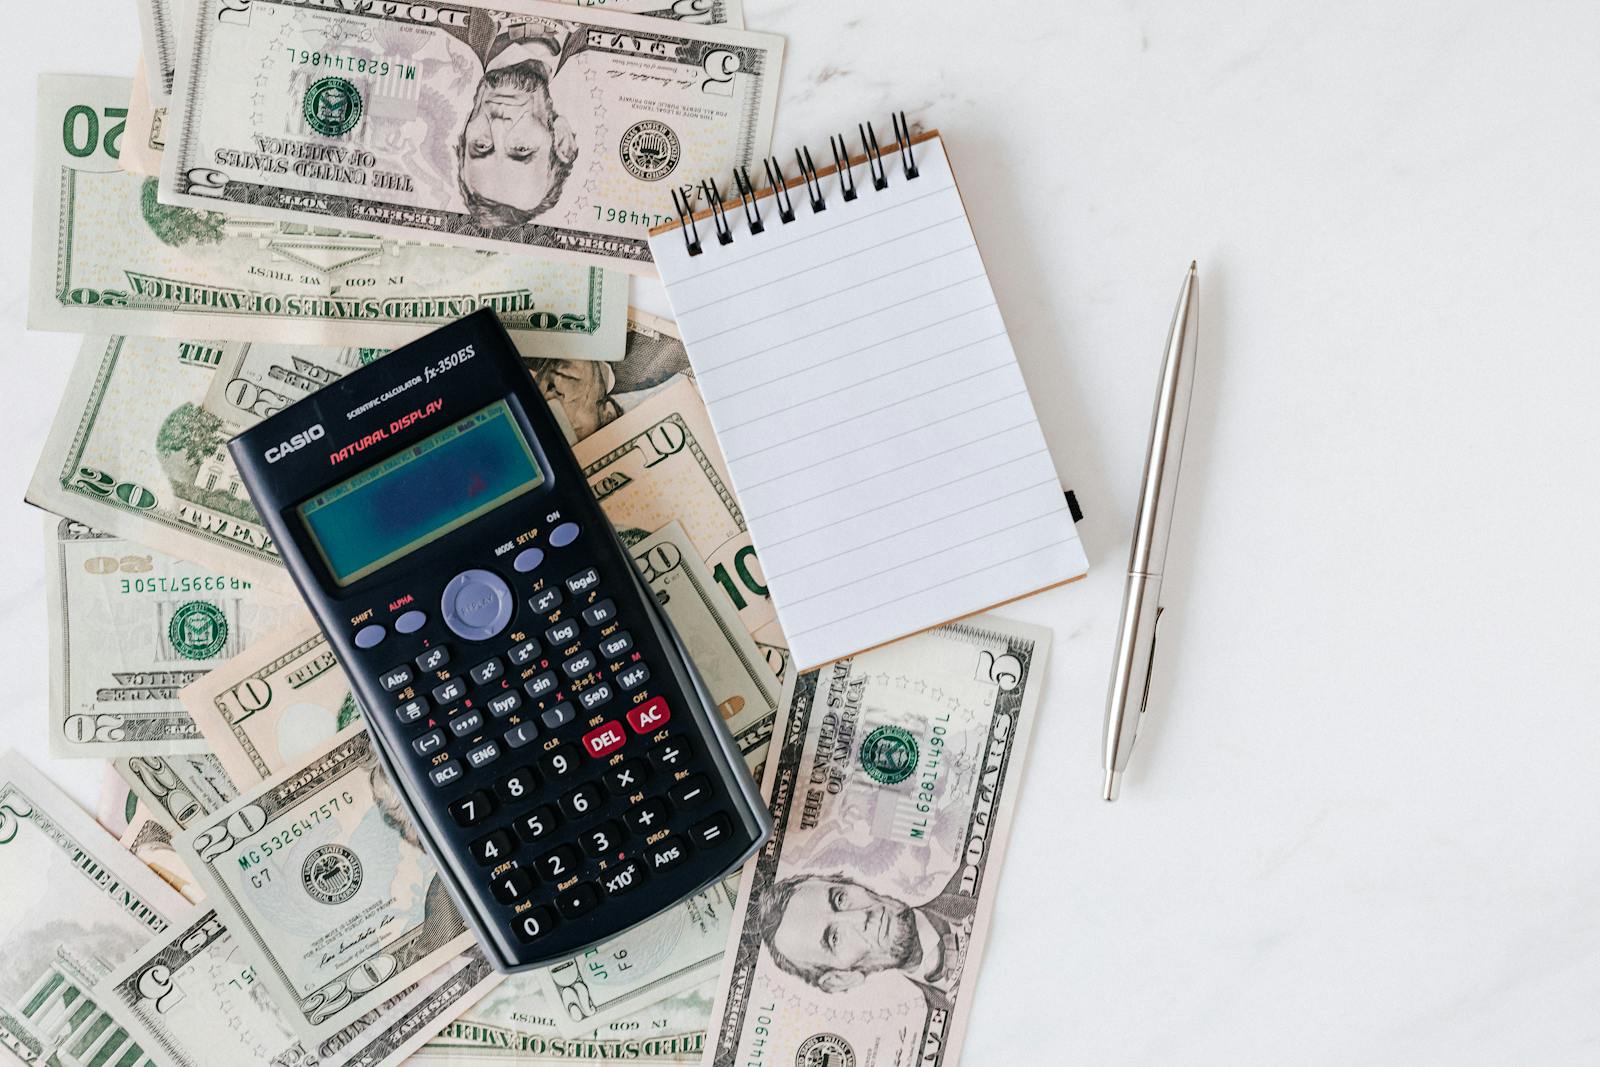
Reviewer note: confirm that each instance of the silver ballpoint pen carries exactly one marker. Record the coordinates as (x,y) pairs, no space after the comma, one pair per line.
(1141,600)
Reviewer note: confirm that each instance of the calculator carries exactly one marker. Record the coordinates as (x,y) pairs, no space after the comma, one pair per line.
(561,758)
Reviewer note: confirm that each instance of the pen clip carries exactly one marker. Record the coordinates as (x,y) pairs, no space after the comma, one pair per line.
(1150,664)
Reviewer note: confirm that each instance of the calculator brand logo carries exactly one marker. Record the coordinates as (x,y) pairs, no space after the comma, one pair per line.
(296,443)
(331,874)
(889,754)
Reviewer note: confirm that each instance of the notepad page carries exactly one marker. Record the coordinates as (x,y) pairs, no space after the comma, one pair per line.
(869,405)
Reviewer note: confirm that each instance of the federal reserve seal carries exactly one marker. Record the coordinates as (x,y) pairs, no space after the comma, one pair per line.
(197,630)
(332,106)
(650,150)
(889,754)
(825,1050)
(331,874)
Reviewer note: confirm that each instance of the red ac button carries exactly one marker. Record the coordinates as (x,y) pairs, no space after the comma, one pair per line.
(650,715)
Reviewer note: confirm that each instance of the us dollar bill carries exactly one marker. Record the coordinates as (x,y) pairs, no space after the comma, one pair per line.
(538,126)
(131,452)
(862,920)
(73,905)
(270,706)
(177,790)
(195,996)
(513,1026)
(109,257)
(660,463)
(144,135)
(321,876)
(117,804)
(130,627)
(151,844)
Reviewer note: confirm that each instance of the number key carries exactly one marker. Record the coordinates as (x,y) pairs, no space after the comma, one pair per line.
(518,785)
(534,923)
(512,886)
(581,801)
(559,863)
(493,848)
(559,762)
(601,839)
(471,809)
(537,824)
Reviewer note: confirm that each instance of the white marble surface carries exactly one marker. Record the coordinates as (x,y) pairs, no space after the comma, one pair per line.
(1360,825)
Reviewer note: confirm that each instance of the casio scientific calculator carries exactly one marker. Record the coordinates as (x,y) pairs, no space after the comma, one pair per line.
(553,743)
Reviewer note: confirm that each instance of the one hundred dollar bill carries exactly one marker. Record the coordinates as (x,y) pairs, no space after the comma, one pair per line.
(323,880)
(73,905)
(513,1027)
(195,996)
(531,125)
(659,463)
(108,257)
(177,790)
(269,707)
(129,628)
(132,452)
(151,844)
(861,922)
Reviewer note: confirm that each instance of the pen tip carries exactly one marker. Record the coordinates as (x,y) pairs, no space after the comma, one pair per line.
(1113,780)
(1193,263)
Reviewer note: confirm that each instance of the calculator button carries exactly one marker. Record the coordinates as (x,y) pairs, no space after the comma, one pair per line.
(370,636)
(625,777)
(583,581)
(429,743)
(466,725)
(534,924)
(528,559)
(600,614)
(646,817)
(518,785)
(601,839)
(523,654)
(669,755)
(558,864)
(433,659)
(632,677)
(623,877)
(503,704)
(562,633)
(490,850)
(487,671)
(666,853)
(521,734)
(559,762)
(596,695)
(411,710)
(449,691)
(445,773)
(395,678)
(615,645)
(476,605)
(512,886)
(545,600)
(604,739)
(578,901)
(541,685)
(559,715)
(712,831)
(651,715)
(582,801)
(410,622)
(471,809)
(581,664)
(691,791)
(537,824)
(484,754)
(564,535)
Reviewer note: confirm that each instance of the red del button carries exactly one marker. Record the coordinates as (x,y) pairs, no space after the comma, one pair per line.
(605,738)
(650,715)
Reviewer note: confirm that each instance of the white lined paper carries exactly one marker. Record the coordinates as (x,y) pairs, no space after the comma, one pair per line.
(870,408)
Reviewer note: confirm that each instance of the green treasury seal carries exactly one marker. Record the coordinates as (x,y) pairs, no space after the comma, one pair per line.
(331,874)
(332,106)
(889,754)
(197,630)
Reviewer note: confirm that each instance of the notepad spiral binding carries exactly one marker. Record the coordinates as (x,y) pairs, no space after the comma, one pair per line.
(779,185)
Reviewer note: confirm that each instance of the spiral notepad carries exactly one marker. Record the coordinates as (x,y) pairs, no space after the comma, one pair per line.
(866,396)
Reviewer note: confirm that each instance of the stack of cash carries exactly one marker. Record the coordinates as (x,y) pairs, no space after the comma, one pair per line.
(283,192)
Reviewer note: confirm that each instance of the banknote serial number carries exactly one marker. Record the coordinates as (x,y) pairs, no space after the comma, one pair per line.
(288,835)
(305,57)
(628,216)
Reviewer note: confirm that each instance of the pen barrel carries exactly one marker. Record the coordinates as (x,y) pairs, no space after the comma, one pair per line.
(1159,488)
(1130,669)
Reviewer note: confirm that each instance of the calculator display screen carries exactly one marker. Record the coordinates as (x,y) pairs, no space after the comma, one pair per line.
(417,495)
